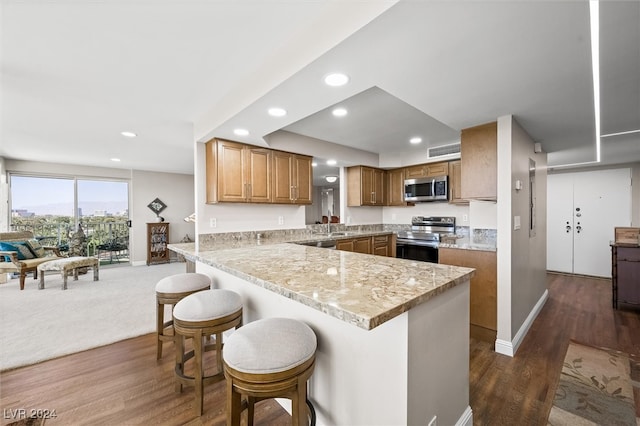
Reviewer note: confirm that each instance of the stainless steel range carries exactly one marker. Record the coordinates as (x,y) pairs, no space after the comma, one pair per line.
(421,242)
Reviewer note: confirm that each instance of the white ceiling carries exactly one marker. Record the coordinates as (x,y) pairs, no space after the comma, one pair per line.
(75,74)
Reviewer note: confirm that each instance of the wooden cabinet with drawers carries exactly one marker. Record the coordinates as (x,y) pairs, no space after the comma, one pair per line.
(381,245)
(625,276)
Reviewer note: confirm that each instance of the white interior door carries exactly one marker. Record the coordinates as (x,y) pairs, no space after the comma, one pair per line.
(560,223)
(582,211)
(602,201)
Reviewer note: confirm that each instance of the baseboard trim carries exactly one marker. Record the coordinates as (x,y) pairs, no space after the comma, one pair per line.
(510,348)
(138,263)
(467,418)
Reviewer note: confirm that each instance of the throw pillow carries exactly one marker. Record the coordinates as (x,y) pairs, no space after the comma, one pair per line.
(13,246)
(23,249)
(36,248)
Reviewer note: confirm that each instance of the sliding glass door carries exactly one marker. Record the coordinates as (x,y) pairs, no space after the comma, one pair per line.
(56,209)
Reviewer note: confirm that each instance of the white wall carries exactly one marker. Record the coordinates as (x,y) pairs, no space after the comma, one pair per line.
(4,197)
(175,190)
(521,257)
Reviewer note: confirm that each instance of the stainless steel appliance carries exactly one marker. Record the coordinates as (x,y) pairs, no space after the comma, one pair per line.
(426,189)
(421,242)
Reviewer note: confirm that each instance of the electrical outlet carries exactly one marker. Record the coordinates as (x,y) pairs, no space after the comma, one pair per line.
(434,421)
(280,220)
(465,218)
(213,222)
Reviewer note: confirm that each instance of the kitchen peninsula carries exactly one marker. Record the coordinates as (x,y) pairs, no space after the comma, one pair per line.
(393,334)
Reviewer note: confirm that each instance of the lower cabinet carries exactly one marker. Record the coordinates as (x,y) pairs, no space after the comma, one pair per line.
(381,245)
(626,276)
(483,307)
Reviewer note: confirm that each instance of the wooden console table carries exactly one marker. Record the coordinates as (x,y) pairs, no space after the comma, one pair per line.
(625,275)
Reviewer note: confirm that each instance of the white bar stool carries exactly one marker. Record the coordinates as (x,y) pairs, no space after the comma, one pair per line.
(169,291)
(270,358)
(201,314)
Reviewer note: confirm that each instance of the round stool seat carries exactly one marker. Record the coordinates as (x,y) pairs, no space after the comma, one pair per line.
(183,283)
(199,315)
(270,345)
(270,358)
(169,291)
(207,305)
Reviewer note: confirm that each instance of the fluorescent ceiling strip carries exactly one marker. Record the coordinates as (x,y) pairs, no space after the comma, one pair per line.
(594,21)
(594,9)
(620,133)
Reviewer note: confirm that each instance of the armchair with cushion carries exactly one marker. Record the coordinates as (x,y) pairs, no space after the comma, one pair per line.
(20,252)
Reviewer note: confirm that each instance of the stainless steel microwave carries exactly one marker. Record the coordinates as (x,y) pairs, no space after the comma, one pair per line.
(426,189)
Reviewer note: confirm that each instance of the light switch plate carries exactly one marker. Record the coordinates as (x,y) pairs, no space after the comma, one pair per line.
(516,223)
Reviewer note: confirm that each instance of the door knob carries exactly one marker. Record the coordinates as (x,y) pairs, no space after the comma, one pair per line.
(578,229)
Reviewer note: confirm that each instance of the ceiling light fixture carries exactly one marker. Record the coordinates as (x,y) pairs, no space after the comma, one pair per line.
(241,132)
(628,132)
(331,162)
(277,112)
(128,134)
(314,164)
(331,179)
(415,140)
(339,112)
(336,79)
(117,160)
(594,9)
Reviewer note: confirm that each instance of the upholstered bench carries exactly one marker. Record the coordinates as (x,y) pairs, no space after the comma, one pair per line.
(67,265)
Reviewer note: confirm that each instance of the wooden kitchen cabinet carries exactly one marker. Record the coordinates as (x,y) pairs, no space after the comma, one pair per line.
(625,276)
(365,186)
(157,240)
(479,162)
(381,245)
(427,170)
(292,178)
(455,192)
(395,188)
(237,173)
(483,292)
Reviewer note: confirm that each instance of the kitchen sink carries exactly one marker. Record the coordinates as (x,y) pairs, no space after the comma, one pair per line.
(322,243)
(331,234)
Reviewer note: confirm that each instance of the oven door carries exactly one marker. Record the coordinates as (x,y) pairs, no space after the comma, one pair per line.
(417,250)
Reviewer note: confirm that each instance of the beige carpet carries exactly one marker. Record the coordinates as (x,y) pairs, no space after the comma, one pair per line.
(37,325)
(597,386)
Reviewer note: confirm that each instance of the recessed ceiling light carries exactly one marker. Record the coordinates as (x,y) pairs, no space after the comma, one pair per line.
(339,112)
(129,134)
(277,112)
(415,140)
(331,179)
(336,79)
(331,162)
(314,164)
(117,160)
(241,132)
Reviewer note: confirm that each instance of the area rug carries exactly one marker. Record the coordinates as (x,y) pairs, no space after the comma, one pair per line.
(37,325)
(597,386)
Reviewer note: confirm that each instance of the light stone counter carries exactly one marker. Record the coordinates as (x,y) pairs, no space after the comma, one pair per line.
(393,334)
(360,289)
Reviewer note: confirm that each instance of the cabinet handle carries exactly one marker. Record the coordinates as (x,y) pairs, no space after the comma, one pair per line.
(291,192)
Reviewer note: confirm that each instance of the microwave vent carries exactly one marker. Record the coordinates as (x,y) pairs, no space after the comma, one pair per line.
(440,151)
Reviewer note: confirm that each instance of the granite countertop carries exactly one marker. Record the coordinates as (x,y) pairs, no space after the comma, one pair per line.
(361,289)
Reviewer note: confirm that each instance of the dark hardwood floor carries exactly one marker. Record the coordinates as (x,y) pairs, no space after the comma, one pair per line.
(122,384)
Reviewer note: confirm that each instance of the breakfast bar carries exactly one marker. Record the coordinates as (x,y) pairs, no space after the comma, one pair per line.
(393,334)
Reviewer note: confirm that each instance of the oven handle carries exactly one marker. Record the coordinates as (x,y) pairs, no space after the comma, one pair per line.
(431,244)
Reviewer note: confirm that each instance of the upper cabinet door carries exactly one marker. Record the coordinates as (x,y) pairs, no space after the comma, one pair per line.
(282,178)
(258,175)
(231,172)
(395,190)
(479,157)
(303,180)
